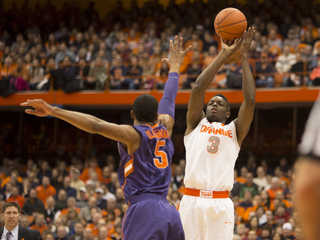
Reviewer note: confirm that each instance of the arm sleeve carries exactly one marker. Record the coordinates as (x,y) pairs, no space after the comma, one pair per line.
(167,102)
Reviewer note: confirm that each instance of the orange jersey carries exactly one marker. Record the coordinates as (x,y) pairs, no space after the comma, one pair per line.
(7,179)
(94,228)
(272,193)
(41,229)
(19,199)
(65,211)
(286,202)
(44,193)
(85,174)
(241,180)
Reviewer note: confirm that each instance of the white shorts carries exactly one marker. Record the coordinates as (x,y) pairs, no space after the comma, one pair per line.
(207,219)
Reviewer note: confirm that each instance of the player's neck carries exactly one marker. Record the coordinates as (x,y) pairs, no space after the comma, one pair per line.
(144,123)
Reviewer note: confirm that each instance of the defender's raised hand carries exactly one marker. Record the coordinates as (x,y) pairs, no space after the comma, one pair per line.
(176,53)
(41,108)
(246,42)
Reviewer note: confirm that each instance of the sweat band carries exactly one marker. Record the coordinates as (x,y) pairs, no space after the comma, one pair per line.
(167,102)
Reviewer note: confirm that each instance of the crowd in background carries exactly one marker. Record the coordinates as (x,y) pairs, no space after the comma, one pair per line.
(84,200)
(76,50)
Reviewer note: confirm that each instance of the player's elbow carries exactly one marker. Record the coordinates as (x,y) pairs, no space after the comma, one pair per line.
(95,127)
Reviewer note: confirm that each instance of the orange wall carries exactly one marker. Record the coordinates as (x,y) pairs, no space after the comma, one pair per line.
(267,96)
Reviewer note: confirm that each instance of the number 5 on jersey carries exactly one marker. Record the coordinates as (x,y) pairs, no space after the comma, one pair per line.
(162,160)
(214,144)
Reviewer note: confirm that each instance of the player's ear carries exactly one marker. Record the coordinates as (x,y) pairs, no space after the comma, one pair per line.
(157,116)
(228,115)
(132,114)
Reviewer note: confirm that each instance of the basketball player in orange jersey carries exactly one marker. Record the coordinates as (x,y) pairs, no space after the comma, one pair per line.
(212,149)
(307,177)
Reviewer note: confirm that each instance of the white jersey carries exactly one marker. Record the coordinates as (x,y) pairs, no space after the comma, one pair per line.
(211,152)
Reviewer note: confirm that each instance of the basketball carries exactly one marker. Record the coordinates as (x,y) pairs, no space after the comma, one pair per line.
(230,24)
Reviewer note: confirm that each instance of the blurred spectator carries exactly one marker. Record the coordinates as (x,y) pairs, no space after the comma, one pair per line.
(296,76)
(101,203)
(162,75)
(15,197)
(177,178)
(315,75)
(133,75)
(45,190)
(264,72)
(36,74)
(71,192)
(285,60)
(287,231)
(309,57)
(87,234)
(39,223)
(85,211)
(62,53)
(273,39)
(82,200)
(291,40)
(61,202)
(117,73)
(209,58)
(248,185)
(44,170)
(51,209)
(76,183)
(261,179)
(247,199)
(61,233)
(33,203)
(21,74)
(281,214)
(78,231)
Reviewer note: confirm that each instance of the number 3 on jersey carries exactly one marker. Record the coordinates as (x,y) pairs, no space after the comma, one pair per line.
(162,160)
(214,143)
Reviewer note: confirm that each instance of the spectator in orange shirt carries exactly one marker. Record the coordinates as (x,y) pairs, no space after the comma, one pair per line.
(280,197)
(106,175)
(274,188)
(13,176)
(93,164)
(212,54)
(103,233)
(45,190)
(40,223)
(15,197)
(94,225)
(71,202)
(279,173)
(195,38)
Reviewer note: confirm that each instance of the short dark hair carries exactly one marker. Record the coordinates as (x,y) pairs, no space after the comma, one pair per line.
(11,204)
(145,108)
(224,97)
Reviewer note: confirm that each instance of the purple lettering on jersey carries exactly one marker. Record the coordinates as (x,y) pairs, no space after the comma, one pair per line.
(137,172)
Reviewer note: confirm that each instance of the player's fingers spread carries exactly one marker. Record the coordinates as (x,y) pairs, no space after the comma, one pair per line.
(181,43)
(176,42)
(165,60)
(171,45)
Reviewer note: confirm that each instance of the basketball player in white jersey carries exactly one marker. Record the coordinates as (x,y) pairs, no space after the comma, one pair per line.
(212,148)
(307,177)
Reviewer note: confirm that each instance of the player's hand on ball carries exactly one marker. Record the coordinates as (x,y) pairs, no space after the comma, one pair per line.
(41,108)
(230,46)
(246,42)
